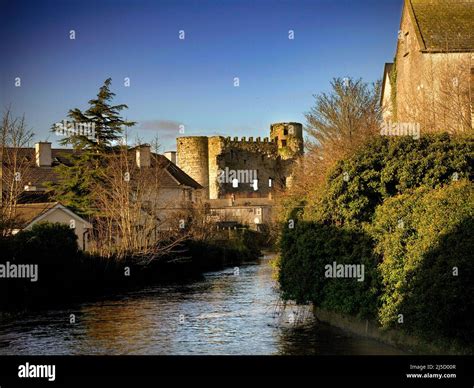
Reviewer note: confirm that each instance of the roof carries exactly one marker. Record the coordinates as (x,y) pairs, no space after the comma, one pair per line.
(39,175)
(443,25)
(30,212)
(179,175)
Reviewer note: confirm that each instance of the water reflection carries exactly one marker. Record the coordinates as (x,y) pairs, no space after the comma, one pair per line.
(225,313)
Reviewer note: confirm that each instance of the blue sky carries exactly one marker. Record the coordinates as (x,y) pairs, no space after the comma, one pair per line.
(190,81)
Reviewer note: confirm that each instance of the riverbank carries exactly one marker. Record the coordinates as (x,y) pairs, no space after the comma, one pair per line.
(65,274)
(369,329)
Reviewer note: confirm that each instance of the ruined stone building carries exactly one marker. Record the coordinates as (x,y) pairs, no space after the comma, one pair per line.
(240,176)
(431,81)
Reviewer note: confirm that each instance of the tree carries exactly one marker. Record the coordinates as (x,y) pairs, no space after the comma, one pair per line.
(338,124)
(87,162)
(342,119)
(15,168)
(136,216)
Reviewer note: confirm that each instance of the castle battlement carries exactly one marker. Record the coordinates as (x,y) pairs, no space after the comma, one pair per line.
(244,139)
(202,157)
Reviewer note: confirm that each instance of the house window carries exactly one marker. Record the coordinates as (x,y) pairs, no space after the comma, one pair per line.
(285,132)
(258,211)
(406,41)
(283,143)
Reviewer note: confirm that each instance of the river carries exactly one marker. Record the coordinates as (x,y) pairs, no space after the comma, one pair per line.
(232,311)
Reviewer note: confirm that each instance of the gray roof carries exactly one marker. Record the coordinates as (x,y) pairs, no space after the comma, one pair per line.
(38,176)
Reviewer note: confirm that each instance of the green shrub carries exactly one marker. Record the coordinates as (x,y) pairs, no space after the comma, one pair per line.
(308,248)
(423,237)
(45,243)
(388,166)
(396,207)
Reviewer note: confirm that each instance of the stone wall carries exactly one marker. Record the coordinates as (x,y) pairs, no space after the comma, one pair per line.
(270,161)
(432,88)
(193,159)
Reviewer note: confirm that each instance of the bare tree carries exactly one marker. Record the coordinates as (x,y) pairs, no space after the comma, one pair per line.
(15,166)
(338,124)
(135,215)
(340,121)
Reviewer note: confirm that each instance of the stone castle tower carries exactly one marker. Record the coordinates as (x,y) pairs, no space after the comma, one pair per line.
(270,161)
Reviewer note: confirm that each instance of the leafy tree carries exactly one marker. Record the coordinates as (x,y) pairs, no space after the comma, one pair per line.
(86,165)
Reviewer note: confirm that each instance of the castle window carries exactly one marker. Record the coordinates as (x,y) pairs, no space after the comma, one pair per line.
(283,143)
(285,132)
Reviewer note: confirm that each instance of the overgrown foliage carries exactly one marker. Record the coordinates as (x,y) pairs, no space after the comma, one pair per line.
(308,248)
(404,209)
(427,245)
(386,167)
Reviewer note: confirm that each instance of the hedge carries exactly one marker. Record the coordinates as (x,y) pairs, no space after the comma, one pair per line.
(427,243)
(386,167)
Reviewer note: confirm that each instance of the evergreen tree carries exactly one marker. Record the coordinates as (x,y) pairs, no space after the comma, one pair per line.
(85,166)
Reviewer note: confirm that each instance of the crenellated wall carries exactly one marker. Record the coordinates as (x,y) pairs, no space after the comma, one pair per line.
(270,159)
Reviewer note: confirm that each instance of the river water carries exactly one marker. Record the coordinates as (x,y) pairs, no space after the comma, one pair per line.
(230,311)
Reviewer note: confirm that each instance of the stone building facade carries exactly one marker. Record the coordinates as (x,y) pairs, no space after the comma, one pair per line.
(431,80)
(242,168)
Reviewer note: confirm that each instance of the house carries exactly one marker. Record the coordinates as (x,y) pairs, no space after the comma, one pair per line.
(27,215)
(431,81)
(27,172)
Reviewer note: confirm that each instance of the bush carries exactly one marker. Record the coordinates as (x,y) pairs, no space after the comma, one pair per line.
(46,243)
(53,247)
(308,248)
(386,167)
(394,207)
(424,237)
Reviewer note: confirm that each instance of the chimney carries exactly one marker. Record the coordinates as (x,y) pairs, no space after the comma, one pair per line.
(143,154)
(43,154)
(170,155)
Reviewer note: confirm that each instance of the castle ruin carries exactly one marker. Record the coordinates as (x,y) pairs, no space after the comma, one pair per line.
(267,161)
